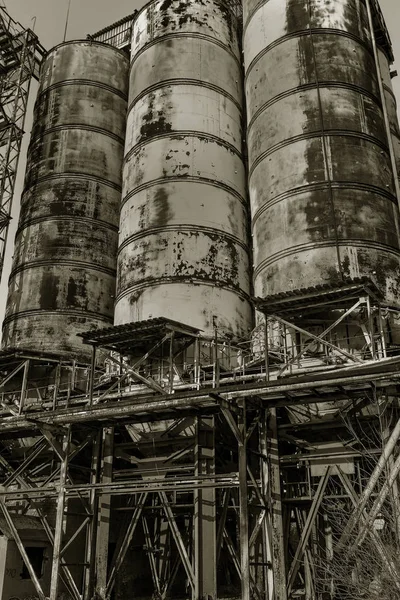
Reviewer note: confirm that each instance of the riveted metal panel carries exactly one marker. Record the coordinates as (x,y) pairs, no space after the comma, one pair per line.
(183,156)
(194,304)
(63,275)
(218,258)
(86,198)
(269,22)
(94,62)
(183,203)
(180,106)
(183,244)
(73,105)
(193,59)
(322,192)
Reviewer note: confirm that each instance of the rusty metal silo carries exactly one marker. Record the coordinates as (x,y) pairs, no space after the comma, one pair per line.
(322,191)
(183,245)
(63,275)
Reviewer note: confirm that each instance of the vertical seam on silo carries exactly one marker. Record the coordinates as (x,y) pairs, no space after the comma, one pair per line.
(323,136)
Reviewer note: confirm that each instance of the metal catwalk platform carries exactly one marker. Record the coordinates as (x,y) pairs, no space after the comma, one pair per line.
(212,464)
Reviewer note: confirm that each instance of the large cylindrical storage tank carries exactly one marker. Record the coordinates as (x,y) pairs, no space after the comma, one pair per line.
(63,274)
(183,244)
(322,194)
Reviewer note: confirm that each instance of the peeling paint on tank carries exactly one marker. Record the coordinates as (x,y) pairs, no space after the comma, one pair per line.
(154,121)
(212,18)
(49,288)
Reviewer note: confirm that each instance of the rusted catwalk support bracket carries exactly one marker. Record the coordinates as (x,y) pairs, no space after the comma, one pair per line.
(104,512)
(58,534)
(126,371)
(269,442)
(317,338)
(205,514)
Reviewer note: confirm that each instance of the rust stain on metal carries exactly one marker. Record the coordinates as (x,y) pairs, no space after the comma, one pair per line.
(154,121)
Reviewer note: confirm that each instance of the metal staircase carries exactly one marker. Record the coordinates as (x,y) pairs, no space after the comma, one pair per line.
(20,58)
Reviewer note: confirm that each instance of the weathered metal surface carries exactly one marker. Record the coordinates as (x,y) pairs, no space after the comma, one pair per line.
(321,186)
(183,244)
(63,276)
(391,105)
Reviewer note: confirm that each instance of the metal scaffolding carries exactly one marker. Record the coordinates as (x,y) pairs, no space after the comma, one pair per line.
(20,58)
(217,465)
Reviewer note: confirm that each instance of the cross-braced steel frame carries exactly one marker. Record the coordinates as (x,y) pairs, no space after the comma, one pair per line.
(216,466)
(20,58)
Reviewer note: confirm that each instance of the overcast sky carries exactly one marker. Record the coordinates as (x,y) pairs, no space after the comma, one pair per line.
(48,18)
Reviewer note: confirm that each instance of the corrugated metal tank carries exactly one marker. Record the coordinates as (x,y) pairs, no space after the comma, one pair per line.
(321,186)
(183,244)
(63,275)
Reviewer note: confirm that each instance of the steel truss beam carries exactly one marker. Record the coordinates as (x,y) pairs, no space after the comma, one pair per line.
(54,536)
(192,515)
(260,489)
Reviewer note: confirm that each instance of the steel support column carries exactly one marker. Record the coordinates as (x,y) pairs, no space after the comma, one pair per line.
(205,514)
(307,529)
(243,505)
(92,529)
(104,512)
(59,529)
(124,542)
(269,443)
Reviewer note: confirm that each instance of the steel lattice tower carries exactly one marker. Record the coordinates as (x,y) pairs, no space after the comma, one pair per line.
(20,59)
